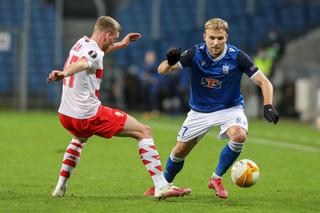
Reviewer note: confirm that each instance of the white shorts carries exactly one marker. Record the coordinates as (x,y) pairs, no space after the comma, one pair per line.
(197,124)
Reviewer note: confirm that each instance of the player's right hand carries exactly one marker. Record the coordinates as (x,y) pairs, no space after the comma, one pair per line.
(55,75)
(173,56)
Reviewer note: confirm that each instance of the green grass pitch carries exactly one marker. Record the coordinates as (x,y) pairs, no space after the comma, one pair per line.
(111,178)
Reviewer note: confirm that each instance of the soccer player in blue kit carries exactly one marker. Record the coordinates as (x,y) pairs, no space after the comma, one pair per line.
(216,70)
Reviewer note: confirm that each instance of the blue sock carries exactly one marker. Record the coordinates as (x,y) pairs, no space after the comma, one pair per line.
(173,167)
(227,156)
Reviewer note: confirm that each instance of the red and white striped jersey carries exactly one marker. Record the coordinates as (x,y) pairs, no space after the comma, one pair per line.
(80,91)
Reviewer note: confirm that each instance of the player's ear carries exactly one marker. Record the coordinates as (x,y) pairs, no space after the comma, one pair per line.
(204,36)
(107,35)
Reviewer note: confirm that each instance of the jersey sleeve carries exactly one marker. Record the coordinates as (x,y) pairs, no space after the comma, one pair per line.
(246,64)
(187,57)
(91,55)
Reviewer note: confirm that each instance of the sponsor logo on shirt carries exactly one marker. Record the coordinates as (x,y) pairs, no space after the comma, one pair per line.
(210,83)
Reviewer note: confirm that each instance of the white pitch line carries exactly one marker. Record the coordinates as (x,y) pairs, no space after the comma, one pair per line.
(255,140)
(283,144)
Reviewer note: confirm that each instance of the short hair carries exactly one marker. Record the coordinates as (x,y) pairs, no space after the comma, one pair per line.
(106,23)
(216,24)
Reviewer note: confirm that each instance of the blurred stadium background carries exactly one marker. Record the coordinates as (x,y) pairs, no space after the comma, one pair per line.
(36,35)
(283,37)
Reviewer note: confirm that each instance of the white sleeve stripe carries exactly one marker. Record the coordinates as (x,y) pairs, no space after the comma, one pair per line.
(179,67)
(253,76)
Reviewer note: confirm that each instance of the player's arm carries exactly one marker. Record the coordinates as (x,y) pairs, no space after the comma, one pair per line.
(171,64)
(266,87)
(246,65)
(176,61)
(165,68)
(130,37)
(78,66)
(270,113)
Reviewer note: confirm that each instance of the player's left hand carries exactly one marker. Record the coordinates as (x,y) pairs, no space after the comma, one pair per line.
(130,37)
(270,113)
(134,36)
(55,75)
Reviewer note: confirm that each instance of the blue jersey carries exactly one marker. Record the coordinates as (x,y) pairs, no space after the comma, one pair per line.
(215,82)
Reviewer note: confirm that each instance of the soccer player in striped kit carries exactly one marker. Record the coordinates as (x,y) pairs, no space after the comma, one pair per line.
(82,114)
(216,69)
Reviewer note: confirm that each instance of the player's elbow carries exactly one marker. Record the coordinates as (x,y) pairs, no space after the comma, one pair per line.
(266,84)
(162,70)
(164,67)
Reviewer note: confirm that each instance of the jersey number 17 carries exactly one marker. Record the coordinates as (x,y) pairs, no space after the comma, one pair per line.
(69,61)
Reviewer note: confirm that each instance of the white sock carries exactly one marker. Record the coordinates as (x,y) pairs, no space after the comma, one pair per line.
(70,160)
(215,176)
(150,158)
(235,146)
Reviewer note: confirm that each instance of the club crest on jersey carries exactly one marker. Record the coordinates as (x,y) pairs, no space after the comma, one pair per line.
(92,54)
(225,69)
(231,49)
(211,83)
(119,114)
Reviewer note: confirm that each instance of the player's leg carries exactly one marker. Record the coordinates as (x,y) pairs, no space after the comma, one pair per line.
(70,160)
(147,150)
(232,150)
(175,161)
(234,126)
(150,157)
(193,129)
(227,157)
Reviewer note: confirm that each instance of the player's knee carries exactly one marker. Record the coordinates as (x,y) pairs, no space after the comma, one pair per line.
(146,131)
(239,137)
(237,134)
(82,140)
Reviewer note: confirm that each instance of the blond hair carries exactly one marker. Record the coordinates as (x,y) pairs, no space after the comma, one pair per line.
(106,24)
(216,24)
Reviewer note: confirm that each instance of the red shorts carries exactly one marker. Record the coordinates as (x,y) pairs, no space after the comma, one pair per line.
(106,123)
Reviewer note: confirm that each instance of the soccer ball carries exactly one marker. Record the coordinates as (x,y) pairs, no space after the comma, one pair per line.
(245,173)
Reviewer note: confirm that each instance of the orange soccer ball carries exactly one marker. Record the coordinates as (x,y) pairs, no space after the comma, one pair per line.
(245,173)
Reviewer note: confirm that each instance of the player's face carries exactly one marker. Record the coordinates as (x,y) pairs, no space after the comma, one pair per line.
(110,39)
(215,41)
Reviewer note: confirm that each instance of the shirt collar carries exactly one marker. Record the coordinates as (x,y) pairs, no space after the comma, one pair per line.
(93,42)
(220,56)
